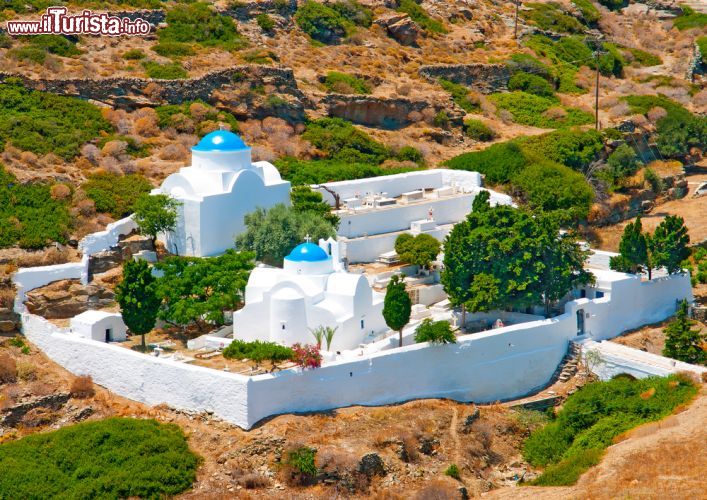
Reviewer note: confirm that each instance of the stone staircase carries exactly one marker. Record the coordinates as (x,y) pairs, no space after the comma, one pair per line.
(568,367)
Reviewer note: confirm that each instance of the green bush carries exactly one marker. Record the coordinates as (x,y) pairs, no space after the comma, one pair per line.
(28,53)
(320,171)
(572,147)
(354,12)
(529,109)
(257,350)
(498,162)
(420,16)
(589,12)
(265,22)
(591,418)
(116,194)
(346,84)
(435,332)
(643,58)
(690,19)
(409,153)
(550,187)
(551,17)
(134,149)
(453,472)
(169,114)
(199,23)
(321,22)
(532,84)
(260,56)
(623,162)
(173,49)
(478,130)
(133,55)
(461,96)
(29,216)
(529,64)
(112,458)
(167,71)
(702,44)
(46,123)
(344,142)
(613,4)
(303,460)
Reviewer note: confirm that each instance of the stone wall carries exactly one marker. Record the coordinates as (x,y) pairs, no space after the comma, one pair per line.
(66,298)
(252,85)
(384,113)
(485,78)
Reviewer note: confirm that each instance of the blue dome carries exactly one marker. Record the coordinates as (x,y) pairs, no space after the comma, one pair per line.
(307,252)
(220,140)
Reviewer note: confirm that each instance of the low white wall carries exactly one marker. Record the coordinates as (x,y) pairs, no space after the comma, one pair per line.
(29,278)
(143,378)
(103,240)
(616,359)
(368,249)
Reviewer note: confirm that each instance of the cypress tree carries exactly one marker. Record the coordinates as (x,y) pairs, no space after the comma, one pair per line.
(682,342)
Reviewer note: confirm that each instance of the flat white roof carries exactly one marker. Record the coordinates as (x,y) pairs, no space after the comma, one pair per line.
(94,316)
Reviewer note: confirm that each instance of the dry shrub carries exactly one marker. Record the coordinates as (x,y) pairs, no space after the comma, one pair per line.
(555,113)
(116,149)
(438,490)
(60,191)
(38,417)
(7,298)
(82,387)
(91,153)
(8,369)
(173,152)
(404,89)
(86,207)
(198,111)
(699,100)
(408,448)
(26,371)
(147,123)
(381,440)
(182,123)
(250,480)
(656,113)
(29,158)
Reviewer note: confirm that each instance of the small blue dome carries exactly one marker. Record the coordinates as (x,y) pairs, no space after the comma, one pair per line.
(307,252)
(220,140)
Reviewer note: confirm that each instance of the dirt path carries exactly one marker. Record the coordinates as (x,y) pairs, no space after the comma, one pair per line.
(665,459)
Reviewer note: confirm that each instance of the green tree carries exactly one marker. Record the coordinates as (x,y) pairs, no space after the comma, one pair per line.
(397,306)
(156,214)
(139,303)
(484,293)
(682,342)
(633,250)
(563,264)
(622,162)
(669,244)
(196,291)
(273,233)
(304,199)
(482,201)
(418,250)
(436,332)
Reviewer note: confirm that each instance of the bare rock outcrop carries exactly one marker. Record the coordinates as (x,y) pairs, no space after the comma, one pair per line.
(67,298)
(401,28)
(384,113)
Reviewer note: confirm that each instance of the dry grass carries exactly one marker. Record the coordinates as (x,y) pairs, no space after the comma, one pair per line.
(8,369)
(82,387)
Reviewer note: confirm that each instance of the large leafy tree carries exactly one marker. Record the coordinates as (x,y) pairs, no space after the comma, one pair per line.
(397,306)
(195,290)
(669,244)
(273,233)
(304,199)
(501,258)
(418,250)
(562,263)
(136,294)
(682,342)
(633,250)
(156,214)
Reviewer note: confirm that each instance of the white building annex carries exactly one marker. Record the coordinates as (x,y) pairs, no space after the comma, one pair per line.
(216,192)
(99,325)
(375,211)
(283,305)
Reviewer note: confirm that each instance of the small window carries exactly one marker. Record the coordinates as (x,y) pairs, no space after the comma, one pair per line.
(583,293)
(283,326)
(598,294)
(362,325)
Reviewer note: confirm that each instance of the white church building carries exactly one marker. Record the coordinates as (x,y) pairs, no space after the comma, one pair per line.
(220,187)
(312,290)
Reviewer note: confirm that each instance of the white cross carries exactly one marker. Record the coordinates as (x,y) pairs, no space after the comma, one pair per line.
(307,238)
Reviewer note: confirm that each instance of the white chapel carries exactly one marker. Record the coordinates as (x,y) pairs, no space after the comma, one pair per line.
(220,187)
(312,290)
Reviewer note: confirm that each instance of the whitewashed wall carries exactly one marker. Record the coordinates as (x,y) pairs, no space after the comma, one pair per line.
(494,365)
(29,278)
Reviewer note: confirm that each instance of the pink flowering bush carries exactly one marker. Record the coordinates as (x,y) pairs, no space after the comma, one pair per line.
(307,355)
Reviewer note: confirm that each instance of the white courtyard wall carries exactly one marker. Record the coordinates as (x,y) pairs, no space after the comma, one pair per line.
(102,240)
(398,217)
(368,249)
